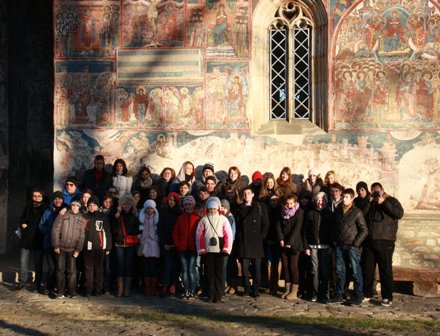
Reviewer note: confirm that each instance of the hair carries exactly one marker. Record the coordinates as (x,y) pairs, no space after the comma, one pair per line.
(141,170)
(363,185)
(264,191)
(192,165)
(289,174)
(337,186)
(182,183)
(154,187)
(107,196)
(330,172)
(173,172)
(88,191)
(124,165)
(235,168)
(37,190)
(289,197)
(376,184)
(99,157)
(348,191)
(203,189)
(211,178)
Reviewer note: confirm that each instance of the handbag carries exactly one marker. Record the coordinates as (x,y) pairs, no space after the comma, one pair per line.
(129,240)
(213,240)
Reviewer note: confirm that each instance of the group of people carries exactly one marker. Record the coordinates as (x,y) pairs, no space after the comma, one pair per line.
(189,235)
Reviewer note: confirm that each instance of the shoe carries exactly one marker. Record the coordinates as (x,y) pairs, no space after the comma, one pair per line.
(314,298)
(357,300)
(190,295)
(72,296)
(20,286)
(60,296)
(183,295)
(323,300)
(338,298)
(172,289)
(386,302)
(366,299)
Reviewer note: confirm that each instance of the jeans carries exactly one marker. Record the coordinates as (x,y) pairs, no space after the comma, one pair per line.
(124,261)
(245,262)
(352,255)
(25,257)
(320,270)
(188,263)
(66,263)
(51,259)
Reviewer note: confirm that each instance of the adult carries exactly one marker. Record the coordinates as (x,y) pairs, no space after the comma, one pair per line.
(286,186)
(362,201)
(382,220)
(142,184)
(234,181)
(121,181)
(97,179)
(71,189)
(313,183)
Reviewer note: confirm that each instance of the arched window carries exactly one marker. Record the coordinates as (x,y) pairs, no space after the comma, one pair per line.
(294,73)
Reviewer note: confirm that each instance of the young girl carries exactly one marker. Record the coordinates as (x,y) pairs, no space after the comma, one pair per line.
(121,181)
(164,184)
(211,230)
(289,228)
(142,183)
(234,181)
(168,214)
(186,173)
(184,236)
(269,189)
(154,195)
(285,184)
(149,245)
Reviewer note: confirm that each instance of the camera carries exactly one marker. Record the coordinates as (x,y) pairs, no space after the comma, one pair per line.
(376,194)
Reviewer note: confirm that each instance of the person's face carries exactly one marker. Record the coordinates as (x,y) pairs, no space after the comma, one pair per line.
(57,202)
(304,201)
(290,203)
(119,168)
(233,175)
(284,176)
(99,165)
(183,189)
(152,194)
(208,172)
(312,178)
(70,187)
(331,179)
(270,183)
(167,175)
(137,198)
(171,202)
(188,207)
(149,211)
(347,199)
(210,185)
(203,195)
(92,207)
(113,192)
(85,197)
(107,203)
(336,194)
(248,195)
(126,207)
(212,211)
(189,169)
(377,189)
(37,197)
(144,175)
(256,182)
(362,193)
(321,203)
(74,207)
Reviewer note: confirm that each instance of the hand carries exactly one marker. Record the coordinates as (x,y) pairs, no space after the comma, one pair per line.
(288,246)
(308,252)
(24,226)
(63,211)
(107,252)
(56,250)
(282,243)
(75,254)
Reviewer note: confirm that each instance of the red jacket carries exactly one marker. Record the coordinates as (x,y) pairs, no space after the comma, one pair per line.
(184,232)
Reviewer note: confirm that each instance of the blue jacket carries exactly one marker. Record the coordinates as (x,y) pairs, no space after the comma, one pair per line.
(68,197)
(46,223)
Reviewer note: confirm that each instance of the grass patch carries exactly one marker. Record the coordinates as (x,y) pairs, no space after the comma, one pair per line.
(343,324)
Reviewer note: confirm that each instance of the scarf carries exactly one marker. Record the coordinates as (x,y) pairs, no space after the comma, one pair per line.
(345,208)
(289,212)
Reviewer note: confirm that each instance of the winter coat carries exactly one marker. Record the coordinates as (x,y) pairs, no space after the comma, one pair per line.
(98,234)
(167,221)
(273,214)
(382,219)
(69,197)
(317,227)
(239,184)
(122,183)
(131,224)
(68,232)
(46,223)
(149,239)
(213,228)
(290,230)
(31,238)
(252,226)
(350,228)
(363,204)
(184,232)
(99,187)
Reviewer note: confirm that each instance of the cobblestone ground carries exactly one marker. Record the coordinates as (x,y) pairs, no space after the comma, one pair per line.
(26,313)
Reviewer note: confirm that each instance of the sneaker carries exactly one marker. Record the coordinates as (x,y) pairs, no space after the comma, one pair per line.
(314,298)
(357,300)
(386,302)
(190,295)
(338,298)
(60,296)
(183,295)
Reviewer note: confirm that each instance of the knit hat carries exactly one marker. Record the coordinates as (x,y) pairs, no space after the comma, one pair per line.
(208,165)
(127,199)
(257,176)
(213,203)
(72,179)
(189,200)
(76,200)
(150,204)
(58,194)
(93,200)
(225,204)
(313,171)
(322,195)
(173,195)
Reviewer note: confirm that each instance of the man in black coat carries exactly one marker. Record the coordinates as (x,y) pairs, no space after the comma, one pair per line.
(382,220)
(252,226)
(97,179)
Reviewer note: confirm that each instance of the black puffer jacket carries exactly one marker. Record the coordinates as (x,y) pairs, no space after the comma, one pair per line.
(290,230)
(131,224)
(382,219)
(317,227)
(31,238)
(350,228)
(98,234)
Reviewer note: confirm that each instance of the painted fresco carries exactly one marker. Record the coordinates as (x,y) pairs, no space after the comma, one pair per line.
(87,30)
(387,62)
(227,90)
(153,23)
(226,28)
(84,94)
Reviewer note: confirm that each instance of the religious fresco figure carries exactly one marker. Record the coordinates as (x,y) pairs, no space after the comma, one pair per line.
(219,31)
(140,106)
